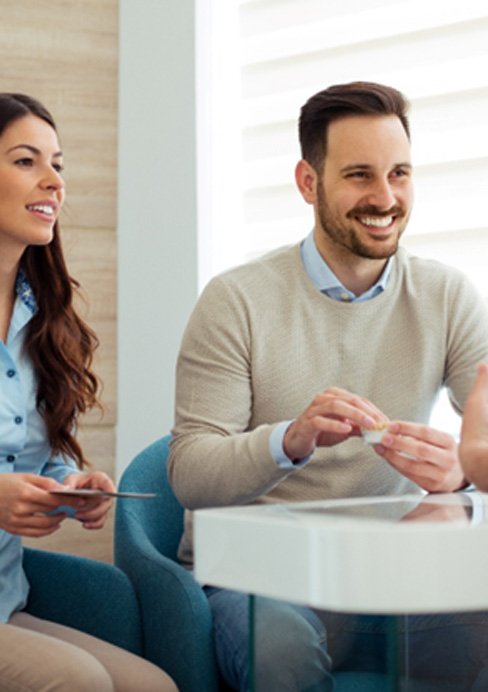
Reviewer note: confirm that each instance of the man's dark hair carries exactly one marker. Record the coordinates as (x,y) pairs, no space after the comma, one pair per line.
(340,101)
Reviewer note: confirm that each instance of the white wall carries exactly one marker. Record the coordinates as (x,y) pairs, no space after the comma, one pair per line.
(157,212)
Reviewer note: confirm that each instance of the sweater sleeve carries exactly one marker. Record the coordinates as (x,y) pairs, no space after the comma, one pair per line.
(467,340)
(216,458)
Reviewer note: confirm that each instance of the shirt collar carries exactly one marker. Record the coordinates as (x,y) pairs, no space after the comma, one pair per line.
(324,279)
(24,291)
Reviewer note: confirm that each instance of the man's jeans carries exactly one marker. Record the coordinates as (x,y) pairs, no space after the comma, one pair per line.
(297,648)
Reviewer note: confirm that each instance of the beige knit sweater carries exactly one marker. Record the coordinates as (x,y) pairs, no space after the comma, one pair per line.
(262,341)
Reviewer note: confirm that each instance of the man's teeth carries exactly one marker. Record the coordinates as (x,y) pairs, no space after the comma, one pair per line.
(377,222)
(43,208)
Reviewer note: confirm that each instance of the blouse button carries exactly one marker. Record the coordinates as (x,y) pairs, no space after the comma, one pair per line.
(18,420)
(10,373)
(10,458)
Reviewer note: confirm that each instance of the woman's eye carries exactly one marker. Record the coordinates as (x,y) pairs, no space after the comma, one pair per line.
(24,162)
(58,167)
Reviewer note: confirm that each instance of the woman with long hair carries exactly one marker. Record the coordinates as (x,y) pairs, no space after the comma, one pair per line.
(46,382)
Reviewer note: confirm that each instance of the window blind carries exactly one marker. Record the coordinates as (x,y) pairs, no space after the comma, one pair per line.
(280,52)
(435,53)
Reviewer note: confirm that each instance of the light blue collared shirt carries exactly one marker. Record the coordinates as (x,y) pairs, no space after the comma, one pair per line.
(24,447)
(324,279)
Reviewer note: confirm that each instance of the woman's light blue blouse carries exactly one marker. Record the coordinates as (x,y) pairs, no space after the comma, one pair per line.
(24,447)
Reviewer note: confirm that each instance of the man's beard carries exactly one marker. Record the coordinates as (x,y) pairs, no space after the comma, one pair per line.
(347,237)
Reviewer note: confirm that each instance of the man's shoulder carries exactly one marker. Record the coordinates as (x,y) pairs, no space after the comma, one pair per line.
(443,284)
(429,269)
(271,267)
(246,288)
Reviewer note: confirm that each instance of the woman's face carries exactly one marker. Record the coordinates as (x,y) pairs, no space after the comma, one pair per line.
(31,186)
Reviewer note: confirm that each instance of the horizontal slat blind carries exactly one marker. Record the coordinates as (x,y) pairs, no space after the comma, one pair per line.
(283,51)
(436,53)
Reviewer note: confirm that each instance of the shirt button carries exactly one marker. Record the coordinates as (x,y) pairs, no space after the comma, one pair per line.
(345,297)
(10,458)
(10,373)
(18,420)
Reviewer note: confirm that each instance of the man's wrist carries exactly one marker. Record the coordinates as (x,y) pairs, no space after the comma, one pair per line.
(277,447)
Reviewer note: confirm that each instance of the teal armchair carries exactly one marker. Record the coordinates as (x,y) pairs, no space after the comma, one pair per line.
(91,596)
(177,625)
(176,618)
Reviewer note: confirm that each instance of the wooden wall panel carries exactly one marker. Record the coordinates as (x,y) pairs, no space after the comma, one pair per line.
(65,53)
(91,256)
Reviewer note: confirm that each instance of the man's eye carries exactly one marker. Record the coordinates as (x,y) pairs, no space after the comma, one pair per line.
(357,174)
(400,173)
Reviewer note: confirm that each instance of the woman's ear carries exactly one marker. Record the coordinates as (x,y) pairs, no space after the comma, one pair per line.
(306,180)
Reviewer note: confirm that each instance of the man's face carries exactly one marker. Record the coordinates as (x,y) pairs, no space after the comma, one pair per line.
(364,194)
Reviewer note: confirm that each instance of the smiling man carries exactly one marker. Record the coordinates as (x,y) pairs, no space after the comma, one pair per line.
(362,194)
(286,360)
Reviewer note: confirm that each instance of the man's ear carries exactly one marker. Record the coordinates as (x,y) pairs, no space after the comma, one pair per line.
(306,179)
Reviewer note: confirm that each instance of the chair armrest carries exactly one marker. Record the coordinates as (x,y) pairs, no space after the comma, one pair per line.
(91,596)
(176,618)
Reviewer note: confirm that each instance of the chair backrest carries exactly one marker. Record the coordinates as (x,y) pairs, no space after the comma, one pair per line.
(161,518)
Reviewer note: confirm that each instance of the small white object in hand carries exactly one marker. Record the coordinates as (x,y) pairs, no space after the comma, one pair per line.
(373,436)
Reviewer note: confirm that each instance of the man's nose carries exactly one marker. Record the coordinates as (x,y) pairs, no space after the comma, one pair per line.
(381,195)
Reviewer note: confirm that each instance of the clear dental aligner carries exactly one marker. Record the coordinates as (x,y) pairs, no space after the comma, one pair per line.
(374,435)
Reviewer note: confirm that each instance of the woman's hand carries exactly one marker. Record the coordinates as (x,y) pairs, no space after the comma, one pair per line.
(24,502)
(93,511)
(473,449)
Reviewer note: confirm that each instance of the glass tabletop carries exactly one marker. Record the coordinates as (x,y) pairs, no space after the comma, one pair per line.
(454,508)
(344,652)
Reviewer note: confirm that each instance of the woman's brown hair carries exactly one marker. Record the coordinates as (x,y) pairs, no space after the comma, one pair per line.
(59,343)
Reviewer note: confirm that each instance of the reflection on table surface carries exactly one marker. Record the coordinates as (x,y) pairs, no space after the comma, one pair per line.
(452,508)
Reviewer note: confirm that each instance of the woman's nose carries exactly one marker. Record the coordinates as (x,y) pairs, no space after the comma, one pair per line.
(52,181)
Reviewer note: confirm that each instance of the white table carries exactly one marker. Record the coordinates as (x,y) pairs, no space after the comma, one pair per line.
(346,555)
(384,555)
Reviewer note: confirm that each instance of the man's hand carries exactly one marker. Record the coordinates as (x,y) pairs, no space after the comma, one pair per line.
(426,456)
(473,449)
(332,417)
(93,512)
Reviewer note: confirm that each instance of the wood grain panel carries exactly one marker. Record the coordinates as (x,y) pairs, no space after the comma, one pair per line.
(65,53)
(91,255)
